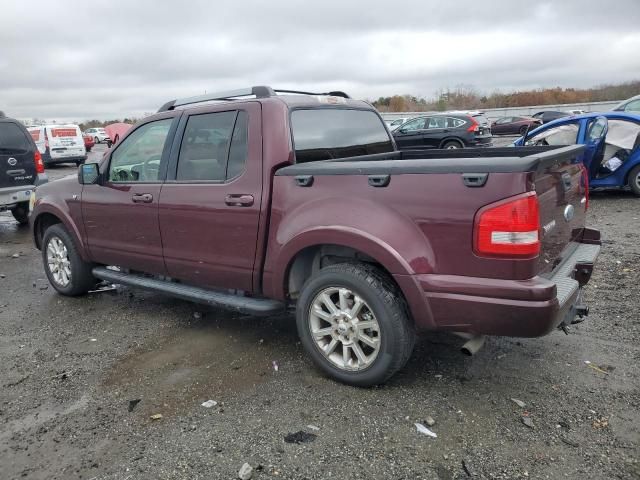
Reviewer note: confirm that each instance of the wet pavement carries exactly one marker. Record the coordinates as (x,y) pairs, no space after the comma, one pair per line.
(82,377)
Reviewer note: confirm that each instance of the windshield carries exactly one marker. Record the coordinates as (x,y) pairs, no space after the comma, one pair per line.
(326,133)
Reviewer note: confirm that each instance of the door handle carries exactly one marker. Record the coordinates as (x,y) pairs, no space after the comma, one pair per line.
(239,200)
(142,198)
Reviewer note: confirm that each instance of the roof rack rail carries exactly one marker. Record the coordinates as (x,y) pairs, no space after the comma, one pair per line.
(259,92)
(335,93)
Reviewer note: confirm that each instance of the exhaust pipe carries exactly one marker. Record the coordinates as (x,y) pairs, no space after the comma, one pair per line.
(473,345)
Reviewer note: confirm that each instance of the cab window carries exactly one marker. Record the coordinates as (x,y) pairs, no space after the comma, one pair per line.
(137,158)
(214,147)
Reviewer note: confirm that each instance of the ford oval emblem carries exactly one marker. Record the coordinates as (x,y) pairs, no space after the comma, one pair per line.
(12,161)
(569,212)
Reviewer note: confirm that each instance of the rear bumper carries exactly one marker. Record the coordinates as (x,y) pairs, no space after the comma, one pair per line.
(517,308)
(481,142)
(11,196)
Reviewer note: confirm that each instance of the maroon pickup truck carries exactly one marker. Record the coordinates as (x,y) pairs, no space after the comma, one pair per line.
(258,200)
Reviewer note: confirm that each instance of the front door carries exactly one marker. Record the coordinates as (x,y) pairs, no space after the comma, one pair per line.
(410,135)
(210,203)
(595,136)
(121,212)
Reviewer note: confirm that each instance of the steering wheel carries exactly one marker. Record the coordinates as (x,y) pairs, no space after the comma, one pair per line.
(149,171)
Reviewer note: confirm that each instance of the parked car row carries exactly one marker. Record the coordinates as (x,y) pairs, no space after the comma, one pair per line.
(516,125)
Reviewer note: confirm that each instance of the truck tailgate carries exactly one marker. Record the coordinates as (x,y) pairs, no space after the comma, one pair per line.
(562,198)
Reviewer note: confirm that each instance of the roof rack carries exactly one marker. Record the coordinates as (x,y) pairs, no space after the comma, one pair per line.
(259,92)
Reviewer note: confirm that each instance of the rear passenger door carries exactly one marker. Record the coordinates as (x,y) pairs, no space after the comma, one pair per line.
(210,203)
(434,132)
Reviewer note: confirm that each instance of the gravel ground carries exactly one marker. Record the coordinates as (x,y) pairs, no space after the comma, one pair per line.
(70,367)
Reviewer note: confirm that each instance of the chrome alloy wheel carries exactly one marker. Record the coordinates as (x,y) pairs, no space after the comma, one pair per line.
(344,329)
(58,262)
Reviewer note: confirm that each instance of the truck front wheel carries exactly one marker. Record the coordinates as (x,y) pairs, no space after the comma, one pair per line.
(353,322)
(67,272)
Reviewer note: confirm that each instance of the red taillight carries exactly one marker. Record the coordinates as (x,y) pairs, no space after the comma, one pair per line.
(37,159)
(474,125)
(509,228)
(585,181)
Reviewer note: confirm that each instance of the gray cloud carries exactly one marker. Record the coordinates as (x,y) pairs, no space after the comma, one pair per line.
(79,60)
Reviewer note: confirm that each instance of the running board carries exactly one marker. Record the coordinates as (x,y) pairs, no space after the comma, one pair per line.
(249,305)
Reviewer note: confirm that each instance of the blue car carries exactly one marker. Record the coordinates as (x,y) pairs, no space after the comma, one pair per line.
(612,140)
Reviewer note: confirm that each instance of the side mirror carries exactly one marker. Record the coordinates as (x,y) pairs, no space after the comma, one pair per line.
(402,130)
(88,174)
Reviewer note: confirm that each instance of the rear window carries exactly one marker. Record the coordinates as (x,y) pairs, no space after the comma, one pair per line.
(323,134)
(12,139)
(481,119)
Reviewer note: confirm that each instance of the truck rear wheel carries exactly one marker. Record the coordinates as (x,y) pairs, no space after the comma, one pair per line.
(353,322)
(67,272)
(634,180)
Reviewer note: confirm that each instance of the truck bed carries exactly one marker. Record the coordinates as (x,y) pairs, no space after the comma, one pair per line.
(468,160)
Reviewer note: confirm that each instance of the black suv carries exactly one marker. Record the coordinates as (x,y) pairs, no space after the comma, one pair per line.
(444,130)
(21,168)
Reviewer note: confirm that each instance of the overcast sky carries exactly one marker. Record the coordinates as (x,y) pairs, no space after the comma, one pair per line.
(78,60)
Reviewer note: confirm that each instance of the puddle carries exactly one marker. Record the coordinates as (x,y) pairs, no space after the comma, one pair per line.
(199,363)
(41,416)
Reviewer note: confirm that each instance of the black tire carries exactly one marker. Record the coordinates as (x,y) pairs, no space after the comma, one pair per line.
(386,303)
(523,130)
(451,144)
(634,181)
(21,213)
(81,280)
(96,139)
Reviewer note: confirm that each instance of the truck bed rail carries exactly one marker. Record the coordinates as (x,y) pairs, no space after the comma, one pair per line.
(471,160)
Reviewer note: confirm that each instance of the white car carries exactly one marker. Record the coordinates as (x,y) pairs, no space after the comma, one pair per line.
(577,111)
(99,134)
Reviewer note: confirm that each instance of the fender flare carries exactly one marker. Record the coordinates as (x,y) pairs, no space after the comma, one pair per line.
(68,223)
(342,236)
